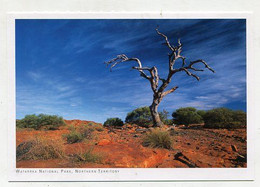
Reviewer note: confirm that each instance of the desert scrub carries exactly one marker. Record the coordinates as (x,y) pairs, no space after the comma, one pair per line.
(91,127)
(99,127)
(40,148)
(86,132)
(116,122)
(73,137)
(71,127)
(187,116)
(157,138)
(88,156)
(41,121)
(220,118)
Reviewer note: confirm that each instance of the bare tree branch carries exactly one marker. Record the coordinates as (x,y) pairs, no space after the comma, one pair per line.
(169,91)
(154,78)
(166,39)
(191,74)
(203,62)
(124,58)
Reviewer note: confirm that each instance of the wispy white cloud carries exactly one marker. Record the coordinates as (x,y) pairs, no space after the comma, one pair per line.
(35,76)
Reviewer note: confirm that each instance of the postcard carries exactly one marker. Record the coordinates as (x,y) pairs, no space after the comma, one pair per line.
(129,97)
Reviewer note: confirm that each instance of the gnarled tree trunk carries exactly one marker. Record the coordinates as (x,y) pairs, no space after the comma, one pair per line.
(159,91)
(155,114)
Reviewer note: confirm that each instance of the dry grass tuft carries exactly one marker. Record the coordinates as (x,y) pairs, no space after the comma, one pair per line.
(157,138)
(40,148)
(87,156)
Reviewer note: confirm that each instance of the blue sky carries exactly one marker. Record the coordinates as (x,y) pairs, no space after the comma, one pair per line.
(60,66)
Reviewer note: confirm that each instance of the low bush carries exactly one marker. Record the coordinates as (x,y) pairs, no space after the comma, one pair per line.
(73,137)
(41,121)
(113,122)
(225,118)
(202,113)
(40,148)
(140,116)
(187,116)
(158,138)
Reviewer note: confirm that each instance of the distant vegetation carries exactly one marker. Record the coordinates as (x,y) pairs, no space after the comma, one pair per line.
(113,122)
(215,118)
(224,118)
(187,116)
(142,117)
(41,121)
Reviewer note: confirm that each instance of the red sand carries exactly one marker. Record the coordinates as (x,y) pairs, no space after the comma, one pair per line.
(198,147)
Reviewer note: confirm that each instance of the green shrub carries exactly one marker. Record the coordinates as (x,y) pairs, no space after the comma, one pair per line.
(225,118)
(158,138)
(239,117)
(202,113)
(140,116)
(113,122)
(187,116)
(41,121)
(73,137)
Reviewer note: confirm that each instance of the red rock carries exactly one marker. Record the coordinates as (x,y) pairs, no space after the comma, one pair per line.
(104,142)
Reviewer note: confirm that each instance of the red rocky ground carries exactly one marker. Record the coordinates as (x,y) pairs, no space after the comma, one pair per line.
(121,148)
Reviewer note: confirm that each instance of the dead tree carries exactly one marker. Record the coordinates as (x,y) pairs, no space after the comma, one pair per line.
(158,84)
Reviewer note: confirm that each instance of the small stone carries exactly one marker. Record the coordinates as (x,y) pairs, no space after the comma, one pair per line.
(104,142)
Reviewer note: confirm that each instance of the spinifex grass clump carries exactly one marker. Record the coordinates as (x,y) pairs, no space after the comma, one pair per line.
(158,138)
(88,156)
(40,148)
(73,137)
